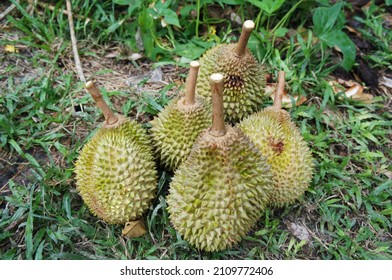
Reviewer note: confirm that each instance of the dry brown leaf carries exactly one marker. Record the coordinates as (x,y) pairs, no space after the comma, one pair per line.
(355,90)
(387,20)
(299,231)
(353,30)
(134,229)
(346,83)
(270,88)
(356,93)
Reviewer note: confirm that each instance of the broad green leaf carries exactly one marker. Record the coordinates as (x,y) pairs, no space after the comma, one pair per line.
(268,6)
(230,2)
(280,32)
(114,26)
(146,24)
(170,17)
(344,43)
(191,50)
(124,2)
(325,18)
(133,4)
(133,8)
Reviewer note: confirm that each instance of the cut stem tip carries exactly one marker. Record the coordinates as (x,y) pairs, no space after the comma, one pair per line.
(190,87)
(218,123)
(247,29)
(110,117)
(279,90)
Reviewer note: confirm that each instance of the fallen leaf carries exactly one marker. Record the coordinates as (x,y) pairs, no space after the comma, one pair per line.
(134,229)
(387,20)
(346,83)
(386,82)
(354,90)
(11,49)
(356,93)
(299,231)
(353,30)
(135,56)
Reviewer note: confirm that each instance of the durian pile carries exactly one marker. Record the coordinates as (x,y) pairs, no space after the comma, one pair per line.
(230,160)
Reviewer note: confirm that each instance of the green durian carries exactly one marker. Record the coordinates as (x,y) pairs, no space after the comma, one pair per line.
(244,77)
(217,194)
(115,170)
(176,127)
(278,138)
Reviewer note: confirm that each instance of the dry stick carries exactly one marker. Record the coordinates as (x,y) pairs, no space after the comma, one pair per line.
(218,123)
(247,29)
(74,43)
(279,90)
(110,117)
(7,11)
(190,86)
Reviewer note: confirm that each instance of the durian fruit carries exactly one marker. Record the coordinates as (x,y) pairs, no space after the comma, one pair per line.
(115,170)
(278,138)
(176,127)
(244,77)
(217,194)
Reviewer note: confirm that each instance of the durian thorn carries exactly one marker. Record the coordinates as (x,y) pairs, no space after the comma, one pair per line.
(218,124)
(190,86)
(110,117)
(247,29)
(279,90)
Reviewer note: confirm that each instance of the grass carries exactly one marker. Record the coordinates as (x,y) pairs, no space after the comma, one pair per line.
(46,118)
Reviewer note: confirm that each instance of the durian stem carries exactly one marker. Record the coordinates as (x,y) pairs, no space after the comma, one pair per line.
(110,117)
(218,123)
(247,29)
(279,90)
(190,87)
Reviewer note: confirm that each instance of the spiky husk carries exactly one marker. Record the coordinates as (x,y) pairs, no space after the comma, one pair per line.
(244,81)
(115,173)
(220,191)
(277,137)
(175,129)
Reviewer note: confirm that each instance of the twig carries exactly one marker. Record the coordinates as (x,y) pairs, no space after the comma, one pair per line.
(7,11)
(74,43)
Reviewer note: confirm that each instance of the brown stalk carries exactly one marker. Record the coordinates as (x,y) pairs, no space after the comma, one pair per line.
(218,124)
(247,29)
(7,11)
(110,117)
(190,87)
(279,90)
(78,64)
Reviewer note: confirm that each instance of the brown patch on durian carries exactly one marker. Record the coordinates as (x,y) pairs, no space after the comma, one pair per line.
(276,144)
(278,138)
(244,78)
(234,81)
